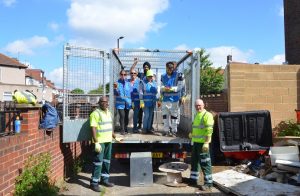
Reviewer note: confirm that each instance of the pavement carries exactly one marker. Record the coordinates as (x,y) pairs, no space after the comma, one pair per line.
(79,185)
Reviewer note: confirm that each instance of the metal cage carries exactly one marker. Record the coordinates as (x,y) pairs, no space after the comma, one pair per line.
(89,73)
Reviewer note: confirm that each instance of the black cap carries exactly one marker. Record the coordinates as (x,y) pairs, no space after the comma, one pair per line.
(148,64)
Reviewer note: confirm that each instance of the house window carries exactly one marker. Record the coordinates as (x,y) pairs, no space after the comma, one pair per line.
(7,96)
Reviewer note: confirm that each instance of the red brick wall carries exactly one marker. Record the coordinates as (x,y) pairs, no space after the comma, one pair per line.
(216,102)
(15,149)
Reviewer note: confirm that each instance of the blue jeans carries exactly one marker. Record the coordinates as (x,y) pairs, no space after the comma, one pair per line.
(147,121)
(135,117)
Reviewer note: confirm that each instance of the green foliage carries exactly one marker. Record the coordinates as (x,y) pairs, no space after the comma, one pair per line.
(77,91)
(99,90)
(34,179)
(211,79)
(77,166)
(291,129)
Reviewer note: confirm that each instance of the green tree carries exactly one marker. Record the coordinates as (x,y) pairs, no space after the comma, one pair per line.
(99,90)
(77,91)
(211,79)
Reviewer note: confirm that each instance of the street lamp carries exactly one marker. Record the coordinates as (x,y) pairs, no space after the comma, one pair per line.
(119,42)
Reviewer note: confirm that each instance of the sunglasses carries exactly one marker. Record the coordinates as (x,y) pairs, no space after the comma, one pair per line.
(133,73)
(123,74)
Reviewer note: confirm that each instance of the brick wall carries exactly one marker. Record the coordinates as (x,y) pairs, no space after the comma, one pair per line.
(15,149)
(264,87)
(216,102)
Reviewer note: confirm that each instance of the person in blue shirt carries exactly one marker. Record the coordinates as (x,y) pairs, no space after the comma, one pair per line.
(148,91)
(122,90)
(172,90)
(141,76)
(135,98)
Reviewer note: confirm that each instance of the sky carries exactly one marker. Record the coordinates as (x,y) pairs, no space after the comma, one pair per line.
(35,31)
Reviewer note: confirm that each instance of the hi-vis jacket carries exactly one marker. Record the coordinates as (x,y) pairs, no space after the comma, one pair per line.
(122,93)
(176,83)
(202,126)
(103,122)
(148,92)
(24,97)
(135,98)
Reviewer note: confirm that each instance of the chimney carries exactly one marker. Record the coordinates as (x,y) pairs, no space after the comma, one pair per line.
(229,58)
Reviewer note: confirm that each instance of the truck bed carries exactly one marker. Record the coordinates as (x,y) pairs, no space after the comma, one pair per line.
(157,137)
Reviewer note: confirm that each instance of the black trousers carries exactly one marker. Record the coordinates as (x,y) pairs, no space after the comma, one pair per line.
(140,117)
(123,114)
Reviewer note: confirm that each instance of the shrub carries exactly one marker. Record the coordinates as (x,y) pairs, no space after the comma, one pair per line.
(291,129)
(34,178)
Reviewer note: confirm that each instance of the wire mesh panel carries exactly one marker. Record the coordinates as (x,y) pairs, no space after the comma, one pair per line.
(85,79)
(186,63)
(89,73)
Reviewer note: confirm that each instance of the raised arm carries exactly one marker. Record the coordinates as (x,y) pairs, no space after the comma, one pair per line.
(135,61)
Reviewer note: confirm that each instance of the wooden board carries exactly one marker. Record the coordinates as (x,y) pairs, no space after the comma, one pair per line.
(243,184)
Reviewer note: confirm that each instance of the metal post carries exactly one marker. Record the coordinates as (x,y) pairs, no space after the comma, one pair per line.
(118,43)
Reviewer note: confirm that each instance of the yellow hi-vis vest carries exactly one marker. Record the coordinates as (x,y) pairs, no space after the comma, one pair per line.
(202,126)
(104,125)
(24,97)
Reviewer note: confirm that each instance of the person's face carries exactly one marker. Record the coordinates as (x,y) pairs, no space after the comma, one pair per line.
(170,69)
(199,106)
(133,74)
(146,68)
(149,78)
(123,75)
(104,103)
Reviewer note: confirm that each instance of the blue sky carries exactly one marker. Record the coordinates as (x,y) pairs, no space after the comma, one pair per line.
(36,30)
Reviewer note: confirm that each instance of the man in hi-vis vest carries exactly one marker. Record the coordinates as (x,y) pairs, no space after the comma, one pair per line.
(102,133)
(201,137)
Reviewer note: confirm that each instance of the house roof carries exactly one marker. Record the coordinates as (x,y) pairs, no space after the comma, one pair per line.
(10,62)
(37,75)
(34,73)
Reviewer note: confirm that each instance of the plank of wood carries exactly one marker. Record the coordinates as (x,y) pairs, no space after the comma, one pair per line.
(243,184)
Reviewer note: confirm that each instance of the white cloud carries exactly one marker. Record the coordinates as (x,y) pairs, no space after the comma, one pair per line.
(218,55)
(26,46)
(8,3)
(275,60)
(28,64)
(181,47)
(56,76)
(54,26)
(281,11)
(106,19)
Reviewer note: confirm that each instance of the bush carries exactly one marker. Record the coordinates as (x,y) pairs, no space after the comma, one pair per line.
(291,129)
(34,178)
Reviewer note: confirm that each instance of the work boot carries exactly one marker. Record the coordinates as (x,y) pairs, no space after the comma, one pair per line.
(107,183)
(95,187)
(191,182)
(205,188)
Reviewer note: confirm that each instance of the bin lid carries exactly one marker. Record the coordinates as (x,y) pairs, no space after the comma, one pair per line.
(245,131)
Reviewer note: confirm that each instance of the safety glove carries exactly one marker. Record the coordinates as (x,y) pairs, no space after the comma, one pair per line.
(142,104)
(98,148)
(205,148)
(132,105)
(190,135)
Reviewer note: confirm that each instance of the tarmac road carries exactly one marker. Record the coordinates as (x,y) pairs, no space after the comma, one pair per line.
(120,177)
